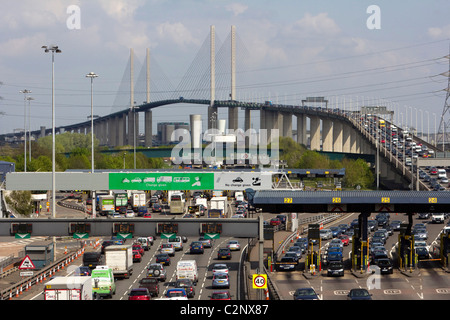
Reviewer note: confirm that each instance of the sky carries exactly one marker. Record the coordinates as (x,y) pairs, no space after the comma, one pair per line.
(352,52)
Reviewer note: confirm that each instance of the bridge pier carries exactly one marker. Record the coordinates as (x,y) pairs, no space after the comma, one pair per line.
(287,125)
(301,129)
(338,144)
(148,128)
(314,125)
(327,135)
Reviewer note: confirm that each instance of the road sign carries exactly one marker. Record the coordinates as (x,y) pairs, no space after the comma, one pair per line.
(26,264)
(22,236)
(125,235)
(259,281)
(168,235)
(212,236)
(81,235)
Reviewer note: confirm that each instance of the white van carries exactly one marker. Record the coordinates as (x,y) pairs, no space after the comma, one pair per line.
(177,243)
(187,269)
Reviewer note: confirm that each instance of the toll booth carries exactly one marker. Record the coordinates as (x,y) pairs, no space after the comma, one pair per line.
(445,249)
(40,253)
(313,259)
(407,257)
(360,244)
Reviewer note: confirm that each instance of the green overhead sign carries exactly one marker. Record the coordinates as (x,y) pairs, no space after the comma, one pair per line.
(161,181)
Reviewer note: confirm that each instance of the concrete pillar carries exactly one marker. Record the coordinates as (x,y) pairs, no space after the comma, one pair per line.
(233,111)
(315,132)
(287,125)
(346,139)
(148,128)
(327,135)
(42,132)
(212,111)
(337,136)
(121,134)
(353,139)
(301,129)
(247,120)
(233,117)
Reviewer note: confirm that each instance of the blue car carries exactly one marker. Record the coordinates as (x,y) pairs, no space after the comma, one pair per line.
(305,294)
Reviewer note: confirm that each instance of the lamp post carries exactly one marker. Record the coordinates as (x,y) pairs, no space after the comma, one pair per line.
(25,92)
(53,49)
(92,75)
(29,127)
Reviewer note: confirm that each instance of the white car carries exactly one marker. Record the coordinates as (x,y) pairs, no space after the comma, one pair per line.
(233,245)
(220,268)
(129,214)
(326,234)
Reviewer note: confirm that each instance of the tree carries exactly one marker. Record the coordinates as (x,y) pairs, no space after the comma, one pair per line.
(20,202)
(357,172)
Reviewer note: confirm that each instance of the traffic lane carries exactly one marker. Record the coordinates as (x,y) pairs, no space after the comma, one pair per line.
(204,263)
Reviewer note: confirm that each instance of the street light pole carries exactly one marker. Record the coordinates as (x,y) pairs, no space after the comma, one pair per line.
(25,92)
(92,75)
(53,49)
(29,127)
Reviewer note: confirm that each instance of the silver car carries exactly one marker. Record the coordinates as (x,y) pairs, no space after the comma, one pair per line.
(221,280)
(326,234)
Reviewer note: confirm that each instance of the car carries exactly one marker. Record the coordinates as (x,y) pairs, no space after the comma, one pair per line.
(187,285)
(336,243)
(137,257)
(395,224)
(234,245)
(287,263)
(207,243)
(138,246)
(424,215)
(156,207)
(335,231)
(420,234)
(129,214)
(221,280)
(152,285)
(275,222)
(176,294)
(359,294)
(163,258)
(385,265)
(220,295)
(224,253)
(345,239)
(220,268)
(377,255)
(177,243)
(326,234)
(156,270)
(167,248)
(305,294)
(196,247)
(422,253)
(82,271)
(335,268)
(334,257)
(139,294)
(297,250)
(147,215)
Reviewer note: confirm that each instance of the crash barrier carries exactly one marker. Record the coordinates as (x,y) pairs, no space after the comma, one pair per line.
(42,275)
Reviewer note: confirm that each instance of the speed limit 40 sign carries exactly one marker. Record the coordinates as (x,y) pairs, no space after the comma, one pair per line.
(259,281)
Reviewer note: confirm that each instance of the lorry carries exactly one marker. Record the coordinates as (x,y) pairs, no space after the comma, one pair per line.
(138,199)
(220,203)
(69,288)
(239,196)
(187,269)
(120,259)
(106,204)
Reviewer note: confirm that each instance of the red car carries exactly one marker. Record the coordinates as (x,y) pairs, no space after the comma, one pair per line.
(275,222)
(138,247)
(137,257)
(221,295)
(147,215)
(345,240)
(139,294)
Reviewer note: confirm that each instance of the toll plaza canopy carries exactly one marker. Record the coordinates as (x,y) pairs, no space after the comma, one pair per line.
(352,201)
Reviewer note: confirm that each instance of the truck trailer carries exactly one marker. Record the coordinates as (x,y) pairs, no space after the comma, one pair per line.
(68,288)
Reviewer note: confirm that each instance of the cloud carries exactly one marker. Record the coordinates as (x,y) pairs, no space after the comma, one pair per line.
(236,8)
(436,32)
(176,32)
(311,26)
(121,10)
